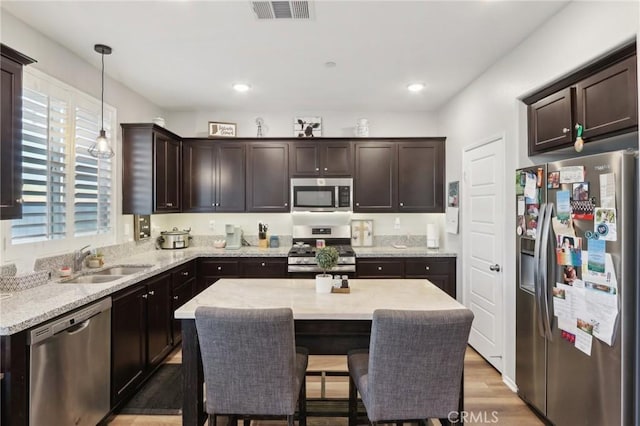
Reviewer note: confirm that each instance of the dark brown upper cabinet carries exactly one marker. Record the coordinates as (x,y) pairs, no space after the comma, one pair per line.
(421,176)
(151,170)
(321,158)
(375,179)
(551,121)
(11,63)
(602,97)
(608,101)
(268,176)
(213,176)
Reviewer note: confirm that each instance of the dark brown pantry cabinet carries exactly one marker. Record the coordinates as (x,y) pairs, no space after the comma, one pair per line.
(602,97)
(321,158)
(213,176)
(151,170)
(140,333)
(268,177)
(11,63)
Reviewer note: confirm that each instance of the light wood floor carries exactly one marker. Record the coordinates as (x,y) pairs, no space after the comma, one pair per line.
(487,398)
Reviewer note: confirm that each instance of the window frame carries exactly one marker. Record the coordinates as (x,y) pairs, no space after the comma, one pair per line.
(24,250)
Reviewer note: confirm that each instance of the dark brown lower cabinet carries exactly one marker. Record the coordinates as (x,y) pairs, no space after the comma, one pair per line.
(263,267)
(441,271)
(128,341)
(181,295)
(140,334)
(211,270)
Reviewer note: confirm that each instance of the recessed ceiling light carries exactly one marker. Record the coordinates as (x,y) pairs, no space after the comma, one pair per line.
(330,64)
(415,87)
(241,87)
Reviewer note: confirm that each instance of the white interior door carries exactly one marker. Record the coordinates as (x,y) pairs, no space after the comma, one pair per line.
(482,236)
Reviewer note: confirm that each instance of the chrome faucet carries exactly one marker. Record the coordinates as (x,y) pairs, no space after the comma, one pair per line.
(78,257)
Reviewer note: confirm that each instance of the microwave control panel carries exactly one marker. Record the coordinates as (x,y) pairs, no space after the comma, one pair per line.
(344,196)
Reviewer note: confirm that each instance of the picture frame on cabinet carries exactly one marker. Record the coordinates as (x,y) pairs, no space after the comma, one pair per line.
(219,129)
(307,127)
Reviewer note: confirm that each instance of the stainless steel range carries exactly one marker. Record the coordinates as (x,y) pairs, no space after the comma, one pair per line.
(302,256)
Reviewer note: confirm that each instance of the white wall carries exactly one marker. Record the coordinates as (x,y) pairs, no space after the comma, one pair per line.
(280,123)
(489,106)
(58,62)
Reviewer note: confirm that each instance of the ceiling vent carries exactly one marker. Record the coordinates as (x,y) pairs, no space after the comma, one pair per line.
(282,9)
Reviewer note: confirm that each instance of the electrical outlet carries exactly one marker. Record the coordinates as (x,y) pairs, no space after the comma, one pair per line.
(396,224)
(212,225)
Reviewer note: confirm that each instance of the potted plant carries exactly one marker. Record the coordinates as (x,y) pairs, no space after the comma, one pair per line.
(327,258)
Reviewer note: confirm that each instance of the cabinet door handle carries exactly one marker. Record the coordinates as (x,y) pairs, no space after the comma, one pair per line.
(169,204)
(219,268)
(565,130)
(401,204)
(426,268)
(151,293)
(19,200)
(317,169)
(213,204)
(175,297)
(286,204)
(357,204)
(262,264)
(379,268)
(144,296)
(185,274)
(325,169)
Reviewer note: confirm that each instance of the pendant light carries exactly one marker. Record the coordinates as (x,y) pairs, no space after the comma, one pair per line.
(101,148)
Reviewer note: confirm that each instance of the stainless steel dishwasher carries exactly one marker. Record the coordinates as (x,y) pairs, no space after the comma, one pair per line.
(70,361)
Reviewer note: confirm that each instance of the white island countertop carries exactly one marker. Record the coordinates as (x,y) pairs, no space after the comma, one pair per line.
(299,295)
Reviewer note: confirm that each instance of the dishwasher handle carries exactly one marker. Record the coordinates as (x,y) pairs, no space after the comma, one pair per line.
(78,328)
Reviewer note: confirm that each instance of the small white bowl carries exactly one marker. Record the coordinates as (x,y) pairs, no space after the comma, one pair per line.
(219,243)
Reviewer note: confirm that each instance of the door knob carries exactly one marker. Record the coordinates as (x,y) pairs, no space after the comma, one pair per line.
(495,267)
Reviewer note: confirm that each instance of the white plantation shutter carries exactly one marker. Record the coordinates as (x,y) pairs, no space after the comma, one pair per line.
(44,154)
(92,189)
(66,191)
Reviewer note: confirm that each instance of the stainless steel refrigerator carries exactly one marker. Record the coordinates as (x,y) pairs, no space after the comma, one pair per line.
(564,384)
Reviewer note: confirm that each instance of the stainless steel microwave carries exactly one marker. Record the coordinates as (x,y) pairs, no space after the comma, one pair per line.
(322,195)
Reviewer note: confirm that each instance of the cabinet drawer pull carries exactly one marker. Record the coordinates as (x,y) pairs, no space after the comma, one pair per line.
(151,293)
(175,297)
(213,204)
(262,264)
(317,169)
(185,274)
(325,169)
(401,204)
(144,296)
(379,268)
(169,204)
(565,130)
(426,267)
(219,268)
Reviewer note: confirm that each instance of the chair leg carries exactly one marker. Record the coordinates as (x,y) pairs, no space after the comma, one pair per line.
(212,420)
(247,421)
(353,403)
(290,420)
(445,422)
(302,403)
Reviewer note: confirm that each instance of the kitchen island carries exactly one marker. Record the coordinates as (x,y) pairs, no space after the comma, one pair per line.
(326,324)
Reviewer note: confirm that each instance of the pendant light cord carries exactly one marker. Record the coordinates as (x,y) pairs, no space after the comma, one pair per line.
(102,95)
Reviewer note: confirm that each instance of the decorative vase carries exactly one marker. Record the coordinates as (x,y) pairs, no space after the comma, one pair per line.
(324,282)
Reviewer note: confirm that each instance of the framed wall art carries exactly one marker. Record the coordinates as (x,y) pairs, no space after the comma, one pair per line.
(307,127)
(219,129)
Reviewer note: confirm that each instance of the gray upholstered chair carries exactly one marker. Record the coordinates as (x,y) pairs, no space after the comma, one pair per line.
(251,365)
(413,369)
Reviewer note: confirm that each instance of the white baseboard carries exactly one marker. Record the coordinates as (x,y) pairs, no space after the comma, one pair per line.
(510,383)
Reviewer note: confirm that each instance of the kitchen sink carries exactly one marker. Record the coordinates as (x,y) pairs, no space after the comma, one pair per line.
(121,270)
(92,279)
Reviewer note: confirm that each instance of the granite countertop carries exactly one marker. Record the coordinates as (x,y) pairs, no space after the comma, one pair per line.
(390,251)
(299,294)
(25,309)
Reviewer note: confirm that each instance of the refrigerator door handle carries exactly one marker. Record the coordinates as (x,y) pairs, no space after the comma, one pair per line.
(537,271)
(544,269)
